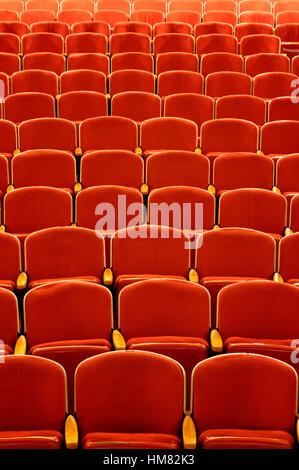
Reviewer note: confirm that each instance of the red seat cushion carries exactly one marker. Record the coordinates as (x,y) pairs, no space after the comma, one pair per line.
(40,282)
(245,439)
(30,440)
(101,440)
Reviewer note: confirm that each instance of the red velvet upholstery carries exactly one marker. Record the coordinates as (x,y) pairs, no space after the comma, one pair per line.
(9,321)
(280,137)
(93,61)
(220,61)
(80,105)
(9,42)
(144,391)
(264,17)
(216,42)
(253,404)
(257,43)
(23,106)
(136,105)
(287,169)
(15,5)
(68,322)
(74,16)
(150,17)
(256,64)
(33,16)
(49,61)
(190,5)
(79,80)
(158,5)
(41,81)
(10,255)
(110,16)
(51,5)
(14,27)
(64,252)
(225,5)
(246,29)
(255,5)
(91,27)
(79,43)
(212,27)
(294,213)
(130,42)
(287,17)
(42,42)
(188,17)
(179,81)
(282,108)
(172,26)
(129,60)
(250,108)
(56,27)
(173,42)
(176,61)
(120,5)
(87,5)
(221,16)
(227,83)
(131,80)
(9,63)
(273,84)
(8,136)
(4,176)
(288,264)
(133,27)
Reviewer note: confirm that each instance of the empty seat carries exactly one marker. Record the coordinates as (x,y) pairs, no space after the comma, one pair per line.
(246,29)
(158,5)
(111,132)
(34,16)
(168,133)
(288,265)
(9,15)
(14,27)
(53,168)
(250,108)
(61,253)
(130,42)
(177,168)
(47,133)
(189,17)
(38,424)
(257,43)
(52,5)
(133,27)
(148,251)
(56,27)
(4,176)
(283,108)
(225,5)
(294,214)
(120,5)
(150,384)
(280,138)
(150,17)
(192,209)
(85,331)
(41,81)
(192,106)
(23,106)
(287,17)
(273,84)
(228,135)
(8,138)
(176,61)
(262,63)
(136,105)
(91,27)
(212,27)
(9,63)
(229,255)
(132,60)
(42,42)
(242,170)
(98,62)
(83,80)
(110,16)
(289,5)
(71,17)
(255,5)
(173,42)
(207,43)
(9,322)
(181,5)
(257,17)
(258,209)
(179,81)
(220,61)
(221,16)
(112,167)
(286,175)
(229,418)
(44,61)
(87,5)
(289,35)
(10,267)
(27,210)
(79,105)
(16,5)
(159,327)
(86,42)
(131,80)
(228,83)
(10,43)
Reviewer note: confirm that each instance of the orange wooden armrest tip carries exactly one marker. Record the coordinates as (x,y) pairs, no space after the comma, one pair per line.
(16,152)
(197,150)
(277,277)
(9,188)
(71,433)
(138,150)
(144,188)
(211,189)
(2,228)
(275,189)
(189,433)
(78,152)
(193,276)
(22,281)
(77,188)
(118,341)
(260,152)
(216,341)
(20,346)
(108,96)
(288,231)
(108,277)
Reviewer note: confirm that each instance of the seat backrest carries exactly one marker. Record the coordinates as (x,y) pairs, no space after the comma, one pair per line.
(181,5)
(8,137)
(136,105)
(70,310)
(25,403)
(89,60)
(131,80)
(150,250)
(34,208)
(9,320)
(212,27)
(118,167)
(34,16)
(289,5)
(173,42)
(245,29)
(216,42)
(10,252)
(288,32)
(74,16)
(223,5)
(220,61)
(9,63)
(60,252)
(193,106)
(150,17)
(235,252)
(168,133)
(56,27)
(91,27)
(257,43)
(176,61)
(163,302)
(45,61)
(255,5)
(150,4)
(42,42)
(228,83)
(230,405)
(222,16)
(266,62)
(41,81)
(129,42)
(23,106)
(110,16)
(77,43)
(80,105)
(79,80)
(9,43)
(188,17)
(179,81)
(280,137)
(294,213)
(120,5)
(264,17)
(14,27)
(283,108)
(287,17)
(4,174)
(287,169)
(273,84)
(250,108)
(171,27)
(129,60)
(288,263)
(133,27)
(147,396)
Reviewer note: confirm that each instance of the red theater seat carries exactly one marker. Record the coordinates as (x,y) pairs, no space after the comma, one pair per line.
(280,138)
(14,27)
(80,105)
(273,84)
(250,108)
(8,138)
(130,42)
(246,29)
(23,106)
(52,5)
(9,15)
(87,5)
(228,83)
(40,81)
(220,61)
(260,43)
(133,27)
(286,175)
(48,61)
(181,5)
(287,17)
(294,214)
(9,322)
(97,62)
(9,43)
(16,5)
(110,16)
(91,27)
(56,27)
(4,176)
(71,17)
(256,64)
(131,80)
(79,43)
(283,108)
(207,43)
(120,5)
(136,105)
(42,42)
(34,16)
(158,5)
(263,17)
(132,60)
(255,5)
(179,81)
(221,16)
(189,17)
(83,80)
(10,266)
(288,265)
(173,42)
(212,27)
(223,5)
(9,63)
(176,61)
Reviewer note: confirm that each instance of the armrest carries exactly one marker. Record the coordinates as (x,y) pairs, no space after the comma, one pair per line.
(212,189)
(193,276)
(108,96)
(71,433)
(22,281)
(144,188)
(77,188)
(118,341)
(108,277)
(288,231)
(20,346)
(189,433)
(275,189)
(16,152)
(2,228)
(259,152)
(216,341)
(138,150)
(198,150)
(277,277)
(9,188)
(78,152)
(216,227)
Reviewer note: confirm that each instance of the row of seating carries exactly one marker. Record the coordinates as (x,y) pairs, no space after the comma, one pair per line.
(147,393)
(218,136)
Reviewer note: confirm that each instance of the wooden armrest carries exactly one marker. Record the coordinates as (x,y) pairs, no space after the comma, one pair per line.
(189,433)
(277,277)
(259,152)
(20,346)
(144,188)
(138,150)
(216,341)
(108,96)
(22,281)
(118,341)
(193,276)
(9,188)
(288,231)
(275,189)
(108,277)
(212,189)
(78,152)
(216,227)
(198,150)
(16,152)
(71,433)
(2,228)
(77,188)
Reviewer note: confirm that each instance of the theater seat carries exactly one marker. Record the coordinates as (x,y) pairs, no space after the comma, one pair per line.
(129,42)
(273,84)
(250,108)
(294,214)
(259,43)
(136,105)
(132,60)
(179,81)
(56,27)
(4,177)
(41,81)
(286,175)
(207,43)
(92,61)
(176,61)
(44,61)
(288,265)
(68,322)
(283,108)
(147,397)
(256,64)
(279,138)
(91,27)
(83,80)
(173,42)
(77,106)
(8,138)
(29,105)
(219,62)
(42,42)
(10,267)
(227,83)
